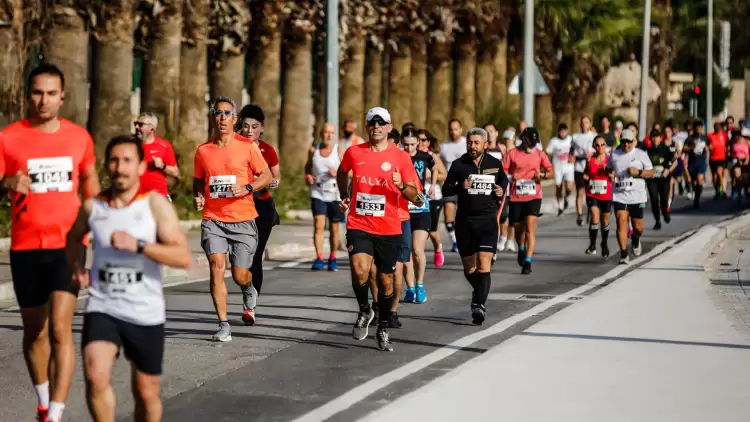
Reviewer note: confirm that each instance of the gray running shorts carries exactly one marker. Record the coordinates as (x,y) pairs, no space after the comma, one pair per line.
(240,240)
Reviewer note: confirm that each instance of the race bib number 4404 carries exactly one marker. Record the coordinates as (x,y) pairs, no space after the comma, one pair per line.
(51,174)
(370,205)
(481,184)
(221,186)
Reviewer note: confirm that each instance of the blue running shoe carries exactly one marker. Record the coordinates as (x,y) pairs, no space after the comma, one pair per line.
(332,265)
(421,294)
(454,248)
(410,295)
(318,265)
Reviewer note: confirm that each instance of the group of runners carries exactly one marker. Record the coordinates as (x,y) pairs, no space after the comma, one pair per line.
(389,187)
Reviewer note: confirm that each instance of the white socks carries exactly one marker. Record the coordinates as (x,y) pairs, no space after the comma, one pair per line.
(452,233)
(55,411)
(42,394)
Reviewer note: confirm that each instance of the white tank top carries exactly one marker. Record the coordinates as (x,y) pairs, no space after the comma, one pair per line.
(125,285)
(325,187)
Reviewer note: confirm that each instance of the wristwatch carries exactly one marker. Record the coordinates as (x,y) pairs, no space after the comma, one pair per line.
(141,245)
(403,188)
(640,173)
(249,188)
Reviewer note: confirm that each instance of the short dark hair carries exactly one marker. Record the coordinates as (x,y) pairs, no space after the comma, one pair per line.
(393,134)
(252,111)
(408,125)
(562,126)
(698,124)
(454,120)
(122,140)
(410,132)
(634,124)
(45,69)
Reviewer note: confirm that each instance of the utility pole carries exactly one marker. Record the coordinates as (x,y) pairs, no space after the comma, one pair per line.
(528,62)
(710,68)
(332,63)
(643,106)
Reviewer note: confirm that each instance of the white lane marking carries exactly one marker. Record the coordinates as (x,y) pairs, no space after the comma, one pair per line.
(292,264)
(360,393)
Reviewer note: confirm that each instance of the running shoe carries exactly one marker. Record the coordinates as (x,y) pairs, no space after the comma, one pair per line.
(224,333)
(333,265)
(421,294)
(318,265)
(395,323)
(605,250)
(624,258)
(454,248)
(248,316)
(362,324)
(41,413)
(410,295)
(478,314)
(526,268)
(591,250)
(494,258)
(521,256)
(637,248)
(384,340)
(566,203)
(579,221)
(501,244)
(690,195)
(560,212)
(657,226)
(439,258)
(512,246)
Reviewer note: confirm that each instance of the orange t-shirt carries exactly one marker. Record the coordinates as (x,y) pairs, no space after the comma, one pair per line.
(222,167)
(54,161)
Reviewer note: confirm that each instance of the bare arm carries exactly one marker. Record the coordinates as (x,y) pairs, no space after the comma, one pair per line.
(171,248)
(308,164)
(275,176)
(172,171)
(440,169)
(342,180)
(74,245)
(90,182)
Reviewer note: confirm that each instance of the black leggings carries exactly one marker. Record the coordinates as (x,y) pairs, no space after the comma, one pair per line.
(267,218)
(658,193)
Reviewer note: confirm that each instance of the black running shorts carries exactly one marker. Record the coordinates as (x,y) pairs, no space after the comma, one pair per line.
(520,210)
(143,344)
(604,206)
(436,208)
(635,210)
(476,234)
(383,248)
(421,221)
(580,181)
(39,272)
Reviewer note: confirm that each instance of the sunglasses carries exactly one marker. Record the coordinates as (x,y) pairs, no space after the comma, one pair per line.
(600,145)
(424,140)
(225,113)
(139,124)
(377,120)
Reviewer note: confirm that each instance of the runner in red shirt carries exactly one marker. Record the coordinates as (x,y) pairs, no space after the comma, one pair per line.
(250,123)
(160,159)
(44,162)
(381,173)
(598,195)
(527,165)
(717,145)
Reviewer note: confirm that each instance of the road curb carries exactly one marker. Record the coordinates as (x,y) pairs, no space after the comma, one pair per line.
(724,229)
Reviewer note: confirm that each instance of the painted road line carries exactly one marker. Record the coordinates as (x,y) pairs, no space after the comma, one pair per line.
(360,393)
(292,264)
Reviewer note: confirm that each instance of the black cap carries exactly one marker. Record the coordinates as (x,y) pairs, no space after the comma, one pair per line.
(530,135)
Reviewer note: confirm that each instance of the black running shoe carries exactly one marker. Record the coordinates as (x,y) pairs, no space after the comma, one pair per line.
(657,226)
(478,314)
(579,221)
(526,268)
(605,250)
(395,323)
(384,340)
(667,217)
(521,256)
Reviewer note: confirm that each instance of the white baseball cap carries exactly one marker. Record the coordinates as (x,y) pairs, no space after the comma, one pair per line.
(618,124)
(627,135)
(378,111)
(509,134)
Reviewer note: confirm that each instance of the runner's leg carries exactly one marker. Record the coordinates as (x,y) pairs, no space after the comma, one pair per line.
(605,231)
(419,242)
(62,308)
(593,229)
(217,267)
(319,225)
(622,217)
(265,225)
(148,407)
(98,361)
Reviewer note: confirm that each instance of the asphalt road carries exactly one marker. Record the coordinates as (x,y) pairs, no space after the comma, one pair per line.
(301,356)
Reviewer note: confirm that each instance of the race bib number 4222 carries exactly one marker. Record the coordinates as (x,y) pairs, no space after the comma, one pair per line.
(221,186)
(51,174)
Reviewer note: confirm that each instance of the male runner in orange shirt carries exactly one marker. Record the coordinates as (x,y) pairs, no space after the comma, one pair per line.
(43,162)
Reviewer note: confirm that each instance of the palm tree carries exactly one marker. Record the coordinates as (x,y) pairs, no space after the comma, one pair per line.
(465,47)
(109,112)
(66,44)
(399,30)
(160,90)
(229,29)
(265,85)
(373,75)
(418,113)
(193,115)
(492,64)
(440,61)
(357,17)
(297,108)
(12,60)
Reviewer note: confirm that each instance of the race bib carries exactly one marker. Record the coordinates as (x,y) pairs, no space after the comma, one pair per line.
(525,187)
(118,277)
(51,174)
(414,207)
(624,184)
(221,186)
(370,205)
(481,184)
(658,171)
(598,187)
(563,156)
(699,148)
(329,186)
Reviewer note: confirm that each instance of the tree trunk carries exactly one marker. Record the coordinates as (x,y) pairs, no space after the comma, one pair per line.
(161,71)
(747,92)
(543,117)
(385,80)
(485,80)
(352,101)
(296,108)
(373,79)
(319,94)
(227,77)
(12,60)
(66,44)
(439,91)
(500,70)
(399,90)
(109,114)
(266,89)
(419,82)
(193,120)
(464,107)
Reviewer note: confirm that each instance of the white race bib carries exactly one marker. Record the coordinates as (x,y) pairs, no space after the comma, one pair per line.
(221,186)
(51,174)
(658,171)
(624,184)
(525,187)
(699,147)
(481,184)
(117,278)
(329,186)
(598,187)
(370,205)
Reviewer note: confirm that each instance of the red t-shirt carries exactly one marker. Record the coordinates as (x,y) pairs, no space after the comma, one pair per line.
(375,199)
(154,179)
(599,185)
(719,143)
(523,166)
(54,161)
(272,159)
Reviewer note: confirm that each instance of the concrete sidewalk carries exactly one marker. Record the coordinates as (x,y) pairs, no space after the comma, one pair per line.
(655,345)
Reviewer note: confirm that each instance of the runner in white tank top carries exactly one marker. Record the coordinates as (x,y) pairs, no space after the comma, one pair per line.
(134,235)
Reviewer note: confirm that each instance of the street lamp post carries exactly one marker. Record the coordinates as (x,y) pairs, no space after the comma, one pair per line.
(528,63)
(709,67)
(332,63)
(643,106)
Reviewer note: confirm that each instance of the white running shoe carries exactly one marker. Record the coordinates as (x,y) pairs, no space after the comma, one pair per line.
(501,243)
(511,246)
